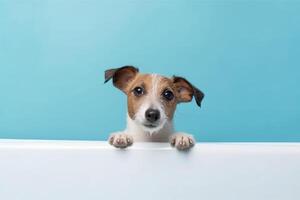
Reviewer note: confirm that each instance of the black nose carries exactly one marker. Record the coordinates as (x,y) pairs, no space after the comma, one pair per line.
(152,115)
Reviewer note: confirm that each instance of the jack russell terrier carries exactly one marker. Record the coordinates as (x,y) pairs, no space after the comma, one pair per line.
(152,100)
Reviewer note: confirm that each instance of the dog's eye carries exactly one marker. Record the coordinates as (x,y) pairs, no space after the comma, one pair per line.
(168,95)
(138,91)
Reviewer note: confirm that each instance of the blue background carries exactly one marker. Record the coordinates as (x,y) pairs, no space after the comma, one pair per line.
(243,54)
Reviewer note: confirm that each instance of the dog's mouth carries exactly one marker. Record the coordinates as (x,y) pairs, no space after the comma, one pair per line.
(151,125)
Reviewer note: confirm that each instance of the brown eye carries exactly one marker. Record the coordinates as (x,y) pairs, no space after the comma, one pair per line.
(138,91)
(168,95)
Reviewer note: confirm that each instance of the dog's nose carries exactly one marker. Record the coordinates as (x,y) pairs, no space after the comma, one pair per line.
(152,115)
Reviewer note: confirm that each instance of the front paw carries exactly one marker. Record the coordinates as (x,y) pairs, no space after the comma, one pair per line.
(120,140)
(182,142)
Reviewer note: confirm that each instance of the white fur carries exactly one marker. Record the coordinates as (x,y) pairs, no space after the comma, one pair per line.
(142,134)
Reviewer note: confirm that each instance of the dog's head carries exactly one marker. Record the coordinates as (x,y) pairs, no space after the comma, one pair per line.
(152,99)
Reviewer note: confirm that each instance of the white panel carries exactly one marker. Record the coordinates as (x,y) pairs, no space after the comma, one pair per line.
(59,170)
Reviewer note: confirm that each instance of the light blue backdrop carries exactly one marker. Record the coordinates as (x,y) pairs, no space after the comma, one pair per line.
(245,56)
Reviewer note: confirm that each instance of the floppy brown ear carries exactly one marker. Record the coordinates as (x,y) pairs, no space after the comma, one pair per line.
(121,76)
(186,91)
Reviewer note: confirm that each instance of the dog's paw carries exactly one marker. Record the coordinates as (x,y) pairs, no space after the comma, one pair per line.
(182,142)
(120,140)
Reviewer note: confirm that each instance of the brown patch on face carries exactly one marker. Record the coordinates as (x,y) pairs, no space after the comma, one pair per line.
(134,102)
(153,87)
(166,85)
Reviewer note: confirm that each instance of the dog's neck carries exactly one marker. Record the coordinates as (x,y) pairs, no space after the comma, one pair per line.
(141,134)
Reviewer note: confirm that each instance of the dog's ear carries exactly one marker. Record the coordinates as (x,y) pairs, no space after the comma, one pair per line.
(121,76)
(186,91)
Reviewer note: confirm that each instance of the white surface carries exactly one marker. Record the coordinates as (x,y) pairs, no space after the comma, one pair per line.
(57,170)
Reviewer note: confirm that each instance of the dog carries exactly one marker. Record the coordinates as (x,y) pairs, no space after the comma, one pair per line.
(151,102)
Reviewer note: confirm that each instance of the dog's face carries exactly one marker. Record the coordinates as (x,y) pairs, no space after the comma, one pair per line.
(152,99)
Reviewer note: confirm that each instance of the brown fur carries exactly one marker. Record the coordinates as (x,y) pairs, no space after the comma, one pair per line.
(145,81)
